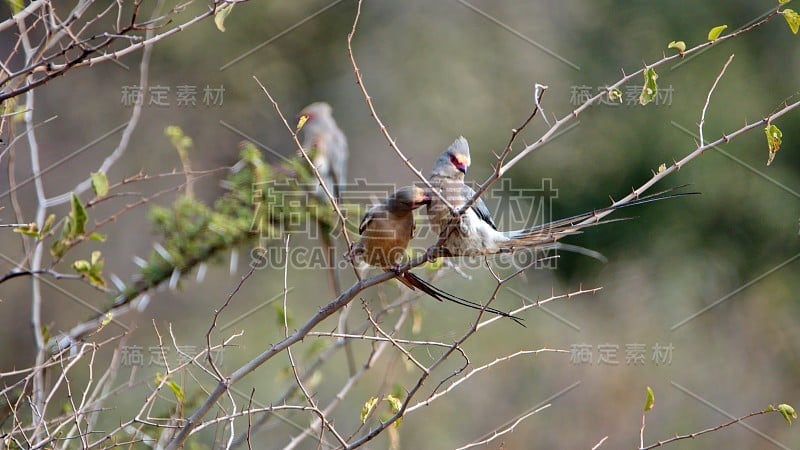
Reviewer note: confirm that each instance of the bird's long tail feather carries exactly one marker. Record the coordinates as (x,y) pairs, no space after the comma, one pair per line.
(415,282)
(552,231)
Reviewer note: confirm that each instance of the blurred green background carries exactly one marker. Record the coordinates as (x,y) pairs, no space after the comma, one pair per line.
(437,70)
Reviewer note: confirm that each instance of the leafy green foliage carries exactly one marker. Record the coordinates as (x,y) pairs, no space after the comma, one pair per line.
(173,386)
(181,142)
(774,139)
(715,32)
(650,88)
(650,401)
(792,18)
(92,269)
(787,412)
(678,45)
(99,184)
(367,409)
(30,229)
(221,15)
(615,95)
(74,228)
(193,232)
(33,230)
(395,403)
(301,122)
(281,316)
(15,5)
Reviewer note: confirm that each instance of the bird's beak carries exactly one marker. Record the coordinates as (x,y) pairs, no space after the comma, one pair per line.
(426,200)
(462,165)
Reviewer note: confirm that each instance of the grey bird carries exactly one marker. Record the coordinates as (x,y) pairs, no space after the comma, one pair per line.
(326,145)
(475,232)
(386,231)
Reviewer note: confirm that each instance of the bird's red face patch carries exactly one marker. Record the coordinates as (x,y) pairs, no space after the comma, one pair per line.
(460,162)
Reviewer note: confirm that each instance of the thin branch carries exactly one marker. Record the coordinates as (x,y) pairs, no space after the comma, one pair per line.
(217,312)
(708,98)
(374,114)
(596,446)
(393,341)
(707,430)
(508,429)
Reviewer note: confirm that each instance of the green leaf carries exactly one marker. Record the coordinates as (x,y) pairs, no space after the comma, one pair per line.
(282,317)
(301,121)
(106,319)
(176,389)
(78,216)
(59,247)
(396,404)
(615,95)
(99,184)
(678,45)
(650,401)
(714,33)
(82,266)
(74,227)
(16,6)
(366,410)
(774,136)
(98,237)
(433,266)
(173,386)
(96,257)
(28,230)
(650,88)
(48,224)
(792,18)
(92,270)
(221,15)
(95,275)
(787,412)
(783,1)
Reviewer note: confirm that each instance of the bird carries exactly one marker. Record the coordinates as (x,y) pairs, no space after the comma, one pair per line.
(386,230)
(475,232)
(326,145)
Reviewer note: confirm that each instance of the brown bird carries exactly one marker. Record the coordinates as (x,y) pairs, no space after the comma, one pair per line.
(386,231)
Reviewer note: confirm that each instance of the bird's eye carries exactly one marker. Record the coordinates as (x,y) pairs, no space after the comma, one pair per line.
(454,160)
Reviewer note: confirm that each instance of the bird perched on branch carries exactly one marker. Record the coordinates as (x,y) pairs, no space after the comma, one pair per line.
(386,231)
(326,145)
(475,233)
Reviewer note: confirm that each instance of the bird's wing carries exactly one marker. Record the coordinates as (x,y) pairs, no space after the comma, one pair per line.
(368,216)
(479,206)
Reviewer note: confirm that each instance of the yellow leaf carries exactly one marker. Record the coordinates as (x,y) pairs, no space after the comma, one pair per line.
(221,15)
(302,121)
(713,35)
(651,400)
(366,410)
(678,45)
